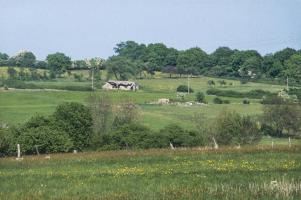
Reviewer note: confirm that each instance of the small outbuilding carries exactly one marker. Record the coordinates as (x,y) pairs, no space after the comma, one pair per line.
(120,85)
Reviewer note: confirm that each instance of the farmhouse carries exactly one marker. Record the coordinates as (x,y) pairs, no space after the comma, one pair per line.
(120,85)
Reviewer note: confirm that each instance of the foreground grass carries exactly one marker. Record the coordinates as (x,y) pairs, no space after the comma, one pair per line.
(247,173)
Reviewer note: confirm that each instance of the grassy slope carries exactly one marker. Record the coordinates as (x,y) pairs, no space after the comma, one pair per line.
(18,106)
(156,174)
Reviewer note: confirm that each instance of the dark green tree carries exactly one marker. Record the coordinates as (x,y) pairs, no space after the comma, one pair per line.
(76,120)
(121,67)
(58,62)
(192,58)
(25,59)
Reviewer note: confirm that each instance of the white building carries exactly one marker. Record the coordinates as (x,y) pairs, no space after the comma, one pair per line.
(120,85)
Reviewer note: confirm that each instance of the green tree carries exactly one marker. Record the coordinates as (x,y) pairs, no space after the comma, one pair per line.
(283,119)
(222,56)
(121,67)
(25,59)
(58,63)
(293,65)
(156,55)
(284,54)
(131,50)
(3,59)
(76,120)
(192,58)
(12,73)
(231,128)
(200,97)
(41,64)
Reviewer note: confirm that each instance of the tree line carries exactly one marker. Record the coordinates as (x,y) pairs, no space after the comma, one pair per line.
(132,59)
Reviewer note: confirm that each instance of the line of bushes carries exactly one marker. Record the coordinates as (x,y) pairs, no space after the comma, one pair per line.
(9,83)
(71,126)
(253,94)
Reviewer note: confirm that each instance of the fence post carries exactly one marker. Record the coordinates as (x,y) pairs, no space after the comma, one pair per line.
(272,144)
(19,152)
(289,142)
(215,144)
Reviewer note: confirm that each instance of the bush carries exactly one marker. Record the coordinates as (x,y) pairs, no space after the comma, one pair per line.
(254,94)
(136,136)
(129,136)
(184,88)
(244,81)
(246,101)
(200,97)
(233,129)
(217,100)
(273,100)
(38,132)
(283,120)
(4,142)
(180,137)
(76,120)
(226,101)
(47,139)
(23,85)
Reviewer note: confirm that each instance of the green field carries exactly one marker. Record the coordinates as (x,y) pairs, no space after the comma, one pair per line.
(247,173)
(17,106)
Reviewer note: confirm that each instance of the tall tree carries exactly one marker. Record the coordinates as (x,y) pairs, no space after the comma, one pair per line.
(293,67)
(156,55)
(131,50)
(222,56)
(25,59)
(58,62)
(122,68)
(192,58)
(284,54)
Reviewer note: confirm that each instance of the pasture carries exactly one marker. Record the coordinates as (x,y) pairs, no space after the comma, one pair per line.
(248,173)
(19,105)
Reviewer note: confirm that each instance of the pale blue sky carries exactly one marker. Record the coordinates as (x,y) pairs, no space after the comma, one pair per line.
(89,28)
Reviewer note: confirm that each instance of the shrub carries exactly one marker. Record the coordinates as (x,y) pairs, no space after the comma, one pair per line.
(4,141)
(255,94)
(184,88)
(273,100)
(244,81)
(246,101)
(131,136)
(233,129)
(200,97)
(46,138)
(23,85)
(39,132)
(211,82)
(180,137)
(295,91)
(226,101)
(283,120)
(75,119)
(217,100)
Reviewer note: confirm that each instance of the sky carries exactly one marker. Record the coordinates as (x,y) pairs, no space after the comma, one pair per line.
(91,28)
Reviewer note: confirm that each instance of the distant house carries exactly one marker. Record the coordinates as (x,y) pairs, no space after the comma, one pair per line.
(120,85)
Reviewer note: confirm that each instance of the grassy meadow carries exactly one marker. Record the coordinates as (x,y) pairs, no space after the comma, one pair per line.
(17,106)
(247,173)
(257,172)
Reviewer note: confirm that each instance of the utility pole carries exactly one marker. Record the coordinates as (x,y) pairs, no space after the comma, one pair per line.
(92,78)
(188,82)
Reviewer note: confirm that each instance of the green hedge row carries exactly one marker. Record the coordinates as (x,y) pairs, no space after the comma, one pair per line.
(253,94)
(23,85)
